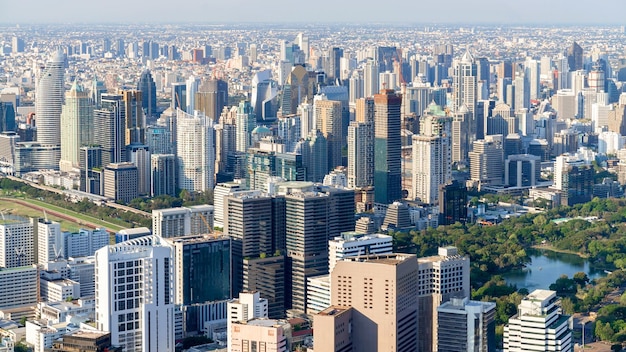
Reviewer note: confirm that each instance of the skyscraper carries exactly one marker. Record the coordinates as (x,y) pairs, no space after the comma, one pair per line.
(370,78)
(192,88)
(466,325)
(16,242)
(387,157)
(147,87)
(77,126)
(212,97)
(140,314)
(49,96)
(109,128)
(163,174)
(464,90)
(245,122)
(196,156)
(360,154)
(575,57)
(135,120)
(334,68)
(328,121)
(49,241)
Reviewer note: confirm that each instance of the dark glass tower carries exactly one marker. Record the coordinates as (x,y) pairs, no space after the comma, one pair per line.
(387,158)
(148,94)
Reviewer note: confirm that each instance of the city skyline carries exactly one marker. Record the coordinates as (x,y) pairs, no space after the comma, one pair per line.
(281,11)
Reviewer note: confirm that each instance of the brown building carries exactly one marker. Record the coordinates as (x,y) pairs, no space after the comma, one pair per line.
(382,291)
(84,341)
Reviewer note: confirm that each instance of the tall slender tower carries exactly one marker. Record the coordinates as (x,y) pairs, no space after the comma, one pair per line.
(76,126)
(192,88)
(328,121)
(49,100)
(135,119)
(465,90)
(148,93)
(245,122)
(387,147)
(109,128)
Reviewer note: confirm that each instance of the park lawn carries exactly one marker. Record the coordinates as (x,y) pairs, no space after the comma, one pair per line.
(8,207)
(110,223)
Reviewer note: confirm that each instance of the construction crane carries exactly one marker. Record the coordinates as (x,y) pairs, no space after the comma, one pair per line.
(206,223)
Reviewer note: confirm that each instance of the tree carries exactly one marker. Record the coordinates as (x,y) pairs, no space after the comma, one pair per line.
(604,331)
(581,278)
(20,347)
(564,286)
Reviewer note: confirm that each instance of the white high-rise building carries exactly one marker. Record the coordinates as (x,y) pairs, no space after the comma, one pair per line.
(195,152)
(135,294)
(352,244)
(370,79)
(360,154)
(77,127)
(183,221)
(16,242)
(84,243)
(223,190)
(18,286)
(465,89)
(192,88)
(49,100)
(248,306)
(539,325)
(49,241)
(245,122)
(431,158)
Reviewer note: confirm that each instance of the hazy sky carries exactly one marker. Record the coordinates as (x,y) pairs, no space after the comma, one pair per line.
(545,12)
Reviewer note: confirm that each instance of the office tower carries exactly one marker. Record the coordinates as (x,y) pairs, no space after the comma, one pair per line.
(264,96)
(147,87)
(532,74)
(120,182)
(596,80)
(356,85)
(466,325)
(77,126)
(135,132)
(566,141)
(334,67)
(196,156)
(262,334)
(387,158)
(452,203)
(564,102)
(225,144)
(182,221)
(139,155)
(83,243)
(360,154)
(314,151)
(575,57)
(483,79)
(307,222)
(221,191)
(109,128)
(192,88)
(201,259)
(353,244)
(50,244)
(574,178)
(361,282)
(396,217)
(96,90)
(299,87)
(140,315)
(49,96)
(303,42)
(212,97)
(431,156)
(522,170)
(245,122)
(158,139)
(179,96)
(7,116)
(90,162)
(253,236)
(486,160)
(16,242)
(17,45)
(18,287)
(502,121)
(521,86)
(444,276)
(268,276)
(464,91)
(370,78)
(459,141)
(333,329)
(341,207)
(538,325)
(163,175)
(328,121)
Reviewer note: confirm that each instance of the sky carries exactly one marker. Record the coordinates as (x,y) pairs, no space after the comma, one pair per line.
(543,12)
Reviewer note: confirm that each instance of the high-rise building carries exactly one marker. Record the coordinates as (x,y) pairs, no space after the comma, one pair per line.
(195,152)
(147,87)
(575,57)
(212,97)
(360,154)
(466,325)
(17,45)
(120,181)
(431,156)
(16,242)
(452,203)
(362,282)
(333,329)
(248,306)
(135,294)
(370,78)
(49,96)
(538,325)
(245,122)
(179,96)
(268,276)
(202,259)
(334,67)
(7,116)
(522,170)
(135,121)
(260,334)
(441,278)
(90,160)
(574,178)
(109,128)
(163,174)
(314,151)
(50,244)
(83,243)
(328,121)
(387,157)
(18,286)
(139,155)
(464,89)
(77,126)
(193,84)
(353,244)
(486,161)
(182,221)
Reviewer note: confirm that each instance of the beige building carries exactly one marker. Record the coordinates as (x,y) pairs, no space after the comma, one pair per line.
(382,290)
(262,335)
(332,329)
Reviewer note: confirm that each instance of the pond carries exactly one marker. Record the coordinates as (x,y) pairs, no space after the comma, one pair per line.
(547,266)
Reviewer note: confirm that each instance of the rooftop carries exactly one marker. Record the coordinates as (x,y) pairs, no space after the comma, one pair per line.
(334,310)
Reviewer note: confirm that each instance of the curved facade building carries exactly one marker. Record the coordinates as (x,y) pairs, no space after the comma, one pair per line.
(49,100)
